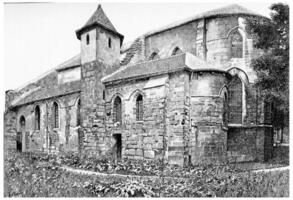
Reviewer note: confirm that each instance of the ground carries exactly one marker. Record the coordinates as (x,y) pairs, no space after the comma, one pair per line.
(41,175)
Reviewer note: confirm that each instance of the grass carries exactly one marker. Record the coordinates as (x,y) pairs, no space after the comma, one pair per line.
(39,175)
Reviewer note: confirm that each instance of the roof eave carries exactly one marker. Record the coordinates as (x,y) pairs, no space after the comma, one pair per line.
(66,68)
(78,32)
(110,82)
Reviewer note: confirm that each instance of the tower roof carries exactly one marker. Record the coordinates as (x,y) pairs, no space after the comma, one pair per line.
(99,18)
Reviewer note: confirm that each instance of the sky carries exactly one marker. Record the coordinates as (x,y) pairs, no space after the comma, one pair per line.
(40,36)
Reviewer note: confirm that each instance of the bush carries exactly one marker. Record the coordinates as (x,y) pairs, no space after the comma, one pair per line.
(39,175)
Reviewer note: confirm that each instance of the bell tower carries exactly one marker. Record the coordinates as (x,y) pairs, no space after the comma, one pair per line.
(100,51)
(99,40)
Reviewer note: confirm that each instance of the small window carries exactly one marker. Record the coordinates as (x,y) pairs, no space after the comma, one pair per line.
(37,118)
(176,51)
(22,123)
(139,108)
(117,111)
(225,110)
(78,113)
(55,115)
(154,56)
(104,95)
(109,43)
(87,39)
(236,45)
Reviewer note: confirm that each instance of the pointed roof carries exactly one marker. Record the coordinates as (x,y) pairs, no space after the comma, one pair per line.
(98,18)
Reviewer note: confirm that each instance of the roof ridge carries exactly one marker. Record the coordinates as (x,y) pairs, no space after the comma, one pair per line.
(205,14)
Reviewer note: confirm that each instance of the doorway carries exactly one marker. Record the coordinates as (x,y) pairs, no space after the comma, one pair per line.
(118,146)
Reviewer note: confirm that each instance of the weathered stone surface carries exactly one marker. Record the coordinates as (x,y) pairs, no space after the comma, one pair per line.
(183,111)
(149,154)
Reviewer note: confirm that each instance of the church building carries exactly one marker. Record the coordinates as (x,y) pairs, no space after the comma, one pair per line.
(184,93)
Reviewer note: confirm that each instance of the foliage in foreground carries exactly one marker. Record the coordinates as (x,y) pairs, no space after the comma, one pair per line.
(39,175)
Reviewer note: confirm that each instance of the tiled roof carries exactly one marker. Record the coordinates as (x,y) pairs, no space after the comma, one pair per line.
(134,49)
(233,9)
(98,18)
(161,66)
(72,62)
(41,93)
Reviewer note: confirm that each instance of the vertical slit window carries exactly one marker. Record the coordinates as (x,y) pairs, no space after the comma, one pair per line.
(55,115)
(109,43)
(37,118)
(225,107)
(139,108)
(117,110)
(87,39)
(78,113)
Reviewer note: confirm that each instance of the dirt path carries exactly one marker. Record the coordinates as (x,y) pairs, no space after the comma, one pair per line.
(272,169)
(87,172)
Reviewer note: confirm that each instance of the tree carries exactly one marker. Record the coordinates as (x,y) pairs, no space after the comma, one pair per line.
(272,67)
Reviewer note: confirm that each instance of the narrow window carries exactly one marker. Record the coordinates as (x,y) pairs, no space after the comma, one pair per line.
(37,118)
(154,56)
(22,124)
(87,39)
(78,113)
(236,45)
(225,110)
(235,101)
(109,43)
(117,110)
(176,51)
(55,115)
(104,95)
(139,108)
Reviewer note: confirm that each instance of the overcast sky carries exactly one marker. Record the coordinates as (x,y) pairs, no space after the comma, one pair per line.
(40,36)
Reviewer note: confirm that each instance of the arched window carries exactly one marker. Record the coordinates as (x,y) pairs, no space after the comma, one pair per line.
(20,134)
(117,111)
(22,123)
(176,51)
(235,100)
(154,56)
(37,118)
(139,108)
(87,39)
(109,43)
(55,115)
(225,109)
(78,113)
(236,41)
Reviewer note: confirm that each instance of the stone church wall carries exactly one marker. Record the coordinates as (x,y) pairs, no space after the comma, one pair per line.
(93,114)
(140,139)
(183,37)
(64,138)
(208,136)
